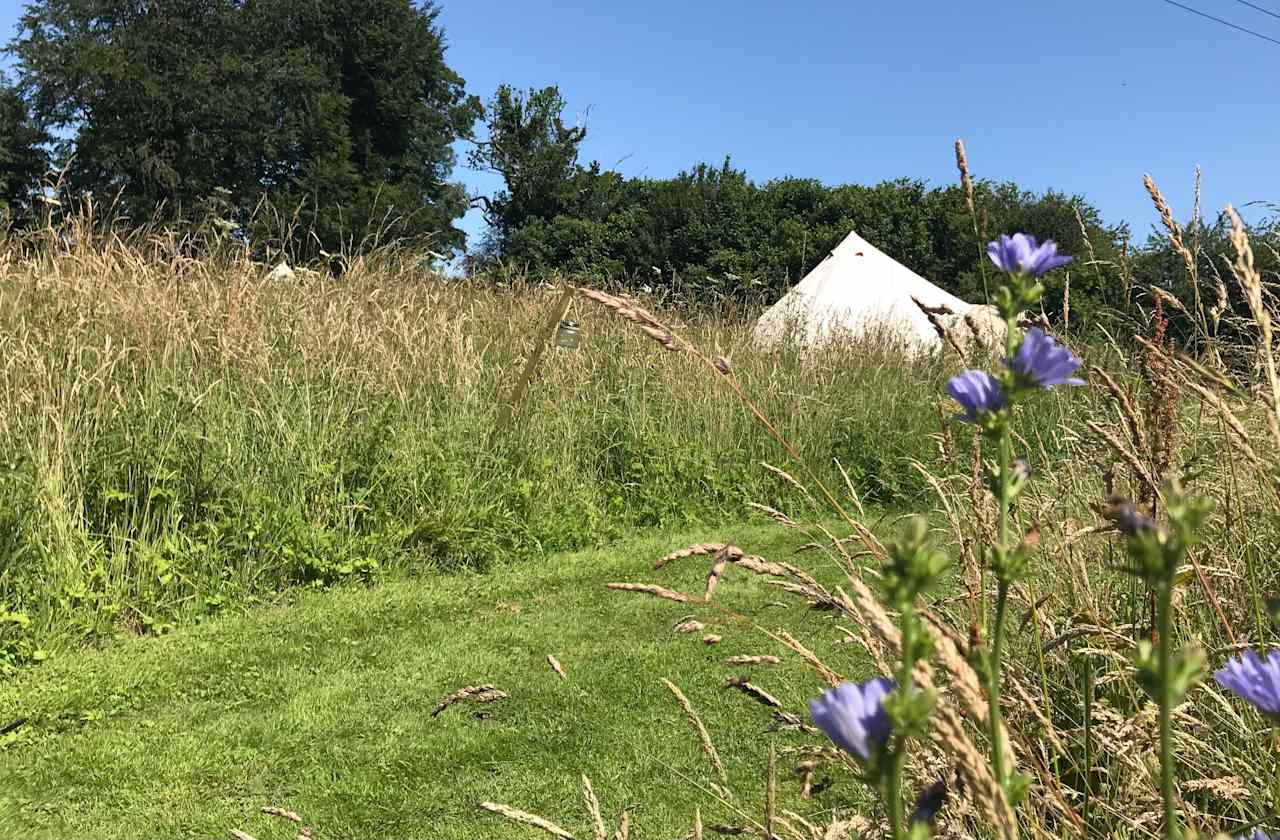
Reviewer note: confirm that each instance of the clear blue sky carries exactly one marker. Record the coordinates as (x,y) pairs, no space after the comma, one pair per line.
(1084,97)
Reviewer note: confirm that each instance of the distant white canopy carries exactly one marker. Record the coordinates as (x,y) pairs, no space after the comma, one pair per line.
(856,290)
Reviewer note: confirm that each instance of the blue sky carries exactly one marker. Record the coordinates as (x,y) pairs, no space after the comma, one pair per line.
(1084,97)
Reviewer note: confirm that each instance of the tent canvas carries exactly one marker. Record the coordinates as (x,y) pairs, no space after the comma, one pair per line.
(857,289)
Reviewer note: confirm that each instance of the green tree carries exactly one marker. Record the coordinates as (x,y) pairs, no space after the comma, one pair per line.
(343,109)
(536,153)
(23,160)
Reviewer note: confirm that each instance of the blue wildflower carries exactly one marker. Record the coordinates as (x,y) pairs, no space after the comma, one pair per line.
(1131,519)
(1044,361)
(1254,679)
(1019,254)
(853,716)
(978,392)
(1258,834)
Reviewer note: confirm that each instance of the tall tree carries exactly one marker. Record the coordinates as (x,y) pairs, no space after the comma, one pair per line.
(23,159)
(536,153)
(343,108)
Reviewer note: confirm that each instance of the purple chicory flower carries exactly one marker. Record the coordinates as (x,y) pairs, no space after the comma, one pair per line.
(978,392)
(1254,679)
(1131,519)
(1019,254)
(1044,361)
(1258,834)
(853,716)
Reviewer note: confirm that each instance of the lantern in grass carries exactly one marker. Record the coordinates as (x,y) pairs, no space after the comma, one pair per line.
(568,335)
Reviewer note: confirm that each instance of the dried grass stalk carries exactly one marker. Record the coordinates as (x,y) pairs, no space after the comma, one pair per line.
(805,769)
(854,827)
(704,737)
(690,551)
(639,316)
(525,818)
(830,676)
(240,835)
(652,589)
(712,639)
(1251,282)
(624,826)
(1171,226)
(291,816)
(555,666)
(770,793)
(776,515)
(717,569)
(1126,455)
(462,694)
(1127,410)
(988,797)
(761,566)
(689,625)
(753,691)
(748,659)
(966,180)
(593,809)
(962,679)
(493,695)
(1233,423)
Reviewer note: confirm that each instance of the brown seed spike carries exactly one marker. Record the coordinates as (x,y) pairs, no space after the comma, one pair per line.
(555,666)
(462,694)
(753,691)
(282,814)
(745,659)
(525,818)
(652,589)
(717,569)
(690,551)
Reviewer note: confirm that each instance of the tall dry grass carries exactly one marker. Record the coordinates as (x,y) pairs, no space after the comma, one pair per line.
(181,434)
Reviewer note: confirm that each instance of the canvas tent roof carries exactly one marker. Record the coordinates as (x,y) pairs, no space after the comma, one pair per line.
(857,288)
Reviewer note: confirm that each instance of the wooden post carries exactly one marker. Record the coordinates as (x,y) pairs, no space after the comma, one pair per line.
(507,412)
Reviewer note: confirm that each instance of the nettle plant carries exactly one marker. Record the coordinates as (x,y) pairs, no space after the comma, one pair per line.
(876,721)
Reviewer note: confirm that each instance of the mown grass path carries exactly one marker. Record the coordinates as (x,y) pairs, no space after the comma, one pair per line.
(323,706)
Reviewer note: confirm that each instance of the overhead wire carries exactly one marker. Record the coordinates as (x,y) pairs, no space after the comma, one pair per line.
(1256,7)
(1224,22)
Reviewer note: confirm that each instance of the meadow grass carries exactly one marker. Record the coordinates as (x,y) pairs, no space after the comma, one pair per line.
(322,704)
(178,435)
(185,438)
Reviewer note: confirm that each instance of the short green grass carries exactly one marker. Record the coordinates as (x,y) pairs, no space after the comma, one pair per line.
(323,705)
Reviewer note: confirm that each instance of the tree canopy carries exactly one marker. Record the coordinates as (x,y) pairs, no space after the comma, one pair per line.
(23,160)
(341,110)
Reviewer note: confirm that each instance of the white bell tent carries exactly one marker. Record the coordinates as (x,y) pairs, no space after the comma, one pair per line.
(858,290)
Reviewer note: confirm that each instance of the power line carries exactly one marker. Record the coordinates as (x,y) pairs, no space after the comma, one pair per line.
(1259,8)
(1223,22)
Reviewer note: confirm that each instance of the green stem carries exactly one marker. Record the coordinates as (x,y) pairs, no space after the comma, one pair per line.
(1088,740)
(893,785)
(1164,622)
(1044,668)
(1275,791)
(994,716)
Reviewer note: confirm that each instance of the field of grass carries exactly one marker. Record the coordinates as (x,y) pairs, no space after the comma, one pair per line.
(179,436)
(323,705)
(190,450)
